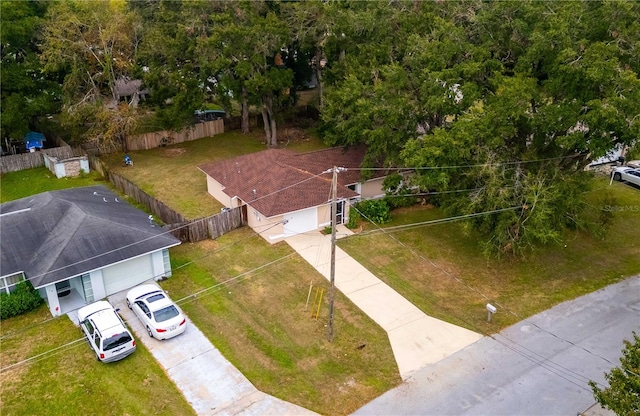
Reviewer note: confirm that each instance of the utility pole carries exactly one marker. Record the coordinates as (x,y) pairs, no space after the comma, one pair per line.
(334,216)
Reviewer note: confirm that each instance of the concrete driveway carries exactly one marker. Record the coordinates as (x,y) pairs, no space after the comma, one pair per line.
(211,385)
(540,366)
(417,339)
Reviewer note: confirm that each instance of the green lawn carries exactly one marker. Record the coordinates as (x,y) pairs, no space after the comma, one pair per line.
(441,270)
(171,173)
(71,381)
(261,322)
(16,185)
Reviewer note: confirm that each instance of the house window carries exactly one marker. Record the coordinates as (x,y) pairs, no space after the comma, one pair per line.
(8,283)
(167,263)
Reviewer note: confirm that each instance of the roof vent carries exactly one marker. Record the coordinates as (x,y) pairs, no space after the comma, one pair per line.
(255,194)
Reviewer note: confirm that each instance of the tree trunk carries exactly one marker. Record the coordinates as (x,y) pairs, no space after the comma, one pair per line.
(269,121)
(319,57)
(245,111)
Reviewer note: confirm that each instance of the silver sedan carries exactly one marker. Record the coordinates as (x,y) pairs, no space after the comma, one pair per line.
(162,318)
(625,173)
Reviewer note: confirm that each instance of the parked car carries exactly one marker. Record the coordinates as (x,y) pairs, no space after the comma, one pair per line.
(625,173)
(633,164)
(162,318)
(208,115)
(106,332)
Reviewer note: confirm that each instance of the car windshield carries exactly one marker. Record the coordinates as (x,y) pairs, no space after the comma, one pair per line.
(165,314)
(116,340)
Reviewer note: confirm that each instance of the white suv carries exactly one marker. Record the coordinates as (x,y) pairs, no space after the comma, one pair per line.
(106,332)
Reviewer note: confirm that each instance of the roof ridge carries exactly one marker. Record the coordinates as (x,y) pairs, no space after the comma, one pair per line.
(43,265)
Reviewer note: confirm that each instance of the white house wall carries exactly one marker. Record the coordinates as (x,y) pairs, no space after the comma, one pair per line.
(97,284)
(157,265)
(52,299)
(127,274)
(300,221)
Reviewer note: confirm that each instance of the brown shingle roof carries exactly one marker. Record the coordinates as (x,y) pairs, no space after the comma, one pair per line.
(286,181)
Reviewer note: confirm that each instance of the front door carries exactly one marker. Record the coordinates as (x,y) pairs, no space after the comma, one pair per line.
(87,288)
(340,212)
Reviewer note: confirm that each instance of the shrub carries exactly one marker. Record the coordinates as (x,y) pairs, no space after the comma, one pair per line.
(23,299)
(374,210)
(354,218)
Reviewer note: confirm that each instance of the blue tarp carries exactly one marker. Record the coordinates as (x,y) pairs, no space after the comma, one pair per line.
(34,140)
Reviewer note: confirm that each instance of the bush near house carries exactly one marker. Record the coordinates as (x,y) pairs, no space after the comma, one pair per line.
(374,210)
(22,300)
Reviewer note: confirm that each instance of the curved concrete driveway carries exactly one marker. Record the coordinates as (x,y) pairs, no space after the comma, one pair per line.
(211,385)
(417,339)
(540,366)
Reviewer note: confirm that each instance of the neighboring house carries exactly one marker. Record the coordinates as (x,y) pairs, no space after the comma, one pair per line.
(287,193)
(80,245)
(130,91)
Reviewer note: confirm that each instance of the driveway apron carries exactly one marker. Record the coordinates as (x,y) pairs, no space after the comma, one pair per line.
(417,339)
(211,385)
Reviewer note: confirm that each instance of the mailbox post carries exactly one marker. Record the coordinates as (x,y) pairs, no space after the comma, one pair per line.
(492,309)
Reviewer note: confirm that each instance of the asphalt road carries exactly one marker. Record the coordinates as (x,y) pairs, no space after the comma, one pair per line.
(540,366)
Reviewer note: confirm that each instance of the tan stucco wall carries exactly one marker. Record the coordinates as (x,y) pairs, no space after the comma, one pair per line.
(215,189)
(268,228)
(372,188)
(324,215)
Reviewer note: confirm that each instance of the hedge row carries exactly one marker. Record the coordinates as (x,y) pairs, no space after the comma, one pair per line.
(23,299)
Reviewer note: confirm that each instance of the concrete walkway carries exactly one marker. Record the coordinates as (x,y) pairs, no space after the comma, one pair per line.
(211,385)
(416,339)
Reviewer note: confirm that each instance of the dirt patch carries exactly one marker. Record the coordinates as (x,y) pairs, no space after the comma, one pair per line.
(291,134)
(175,152)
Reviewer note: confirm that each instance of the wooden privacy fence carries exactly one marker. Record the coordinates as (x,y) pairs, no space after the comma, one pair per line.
(182,228)
(14,163)
(157,207)
(164,138)
(208,227)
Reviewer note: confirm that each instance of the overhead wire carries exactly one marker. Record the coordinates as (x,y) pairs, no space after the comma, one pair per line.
(195,295)
(475,290)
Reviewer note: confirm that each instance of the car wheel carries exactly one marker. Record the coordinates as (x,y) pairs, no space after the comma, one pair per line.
(128,304)
(149,332)
(617,176)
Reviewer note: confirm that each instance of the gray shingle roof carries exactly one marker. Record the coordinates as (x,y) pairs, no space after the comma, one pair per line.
(60,234)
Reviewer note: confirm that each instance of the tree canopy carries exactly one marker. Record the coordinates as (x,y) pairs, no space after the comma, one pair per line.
(622,395)
(494,104)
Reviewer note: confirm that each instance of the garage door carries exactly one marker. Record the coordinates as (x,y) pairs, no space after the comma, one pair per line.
(127,274)
(301,221)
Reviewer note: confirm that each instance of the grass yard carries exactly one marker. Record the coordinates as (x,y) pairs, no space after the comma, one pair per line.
(252,304)
(72,381)
(441,270)
(171,173)
(16,185)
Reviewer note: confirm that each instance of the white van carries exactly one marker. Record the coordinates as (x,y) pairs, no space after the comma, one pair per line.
(106,332)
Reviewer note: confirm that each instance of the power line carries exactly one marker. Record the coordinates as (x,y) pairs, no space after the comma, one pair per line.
(544,362)
(43,355)
(516,162)
(21,330)
(185,299)
(457,279)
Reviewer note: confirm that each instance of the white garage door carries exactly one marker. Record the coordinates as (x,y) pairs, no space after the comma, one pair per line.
(301,221)
(127,274)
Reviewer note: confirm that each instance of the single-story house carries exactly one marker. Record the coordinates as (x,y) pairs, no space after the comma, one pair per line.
(79,245)
(286,193)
